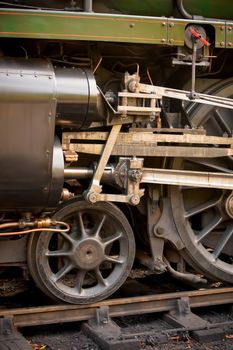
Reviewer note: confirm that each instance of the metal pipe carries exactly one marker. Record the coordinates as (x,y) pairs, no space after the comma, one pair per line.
(182,10)
(9,225)
(88,6)
(16,233)
(189,277)
(194,57)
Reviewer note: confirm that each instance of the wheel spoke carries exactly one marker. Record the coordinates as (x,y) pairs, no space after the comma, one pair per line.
(202,207)
(210,166)
(57,253)
(80,280)
(223,241)
(62,272)
(212,225)
(114,260)
(81,225)
(67,237)
(100,278)
(112,239)
(99,226)
(221,122)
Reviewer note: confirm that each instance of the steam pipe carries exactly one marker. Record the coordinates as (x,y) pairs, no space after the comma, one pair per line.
(182,10)
(189,277)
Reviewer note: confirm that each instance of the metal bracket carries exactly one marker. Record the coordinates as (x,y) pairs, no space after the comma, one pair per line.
(182,316)
(106,333)
(165,227)
(156,243)
(133,176)
(10,338)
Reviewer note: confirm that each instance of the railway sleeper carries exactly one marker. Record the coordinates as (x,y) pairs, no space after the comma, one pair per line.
(10,338)
(108,335)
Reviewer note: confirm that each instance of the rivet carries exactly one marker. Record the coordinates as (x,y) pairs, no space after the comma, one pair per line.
(171,25)
(222,28)
(222,43)
(160,230)
(230,44)
(163,24)
(170,41)
(132,25)
(163,40)
(229,29)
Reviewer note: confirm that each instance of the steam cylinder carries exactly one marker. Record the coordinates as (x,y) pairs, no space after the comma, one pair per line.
(33,99)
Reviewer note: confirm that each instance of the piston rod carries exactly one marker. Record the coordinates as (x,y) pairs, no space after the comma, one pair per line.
(163,176)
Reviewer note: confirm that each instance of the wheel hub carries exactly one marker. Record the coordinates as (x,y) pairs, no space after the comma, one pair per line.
(229,206)
(88,254)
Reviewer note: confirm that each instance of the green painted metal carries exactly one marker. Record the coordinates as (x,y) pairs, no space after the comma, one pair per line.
(139,7)
(206,8)
(229,35)
(100,27)
(82,26)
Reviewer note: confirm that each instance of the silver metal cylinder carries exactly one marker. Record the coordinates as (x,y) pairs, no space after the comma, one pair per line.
(86,173)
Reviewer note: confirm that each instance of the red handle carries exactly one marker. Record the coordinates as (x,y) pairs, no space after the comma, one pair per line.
(197,35)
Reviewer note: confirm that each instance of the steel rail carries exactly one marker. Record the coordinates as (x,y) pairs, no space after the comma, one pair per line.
(34,316)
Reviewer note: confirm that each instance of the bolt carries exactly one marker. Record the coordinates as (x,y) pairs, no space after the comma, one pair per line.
(132,25)
(163,24)
(230,44)
(222,28)
(160,230)
(92,197)
(171,41)
(163,40)
(222,43)
(171,25)
(135,199)
(229,29)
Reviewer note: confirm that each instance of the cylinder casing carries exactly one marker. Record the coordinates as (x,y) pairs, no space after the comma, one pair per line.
(33,99)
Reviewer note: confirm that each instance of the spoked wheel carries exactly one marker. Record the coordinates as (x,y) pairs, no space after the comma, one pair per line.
(204,217)
(91,261)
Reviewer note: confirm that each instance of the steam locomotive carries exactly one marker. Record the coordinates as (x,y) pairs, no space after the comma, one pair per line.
(116,143)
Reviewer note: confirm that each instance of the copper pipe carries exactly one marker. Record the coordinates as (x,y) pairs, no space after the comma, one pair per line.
(9,224)
(65,230)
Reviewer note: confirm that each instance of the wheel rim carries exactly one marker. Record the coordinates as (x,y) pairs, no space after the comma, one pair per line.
(90,262)
(204,216)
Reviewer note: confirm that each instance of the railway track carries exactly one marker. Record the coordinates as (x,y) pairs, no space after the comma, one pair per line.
(33,316)
(176,306)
